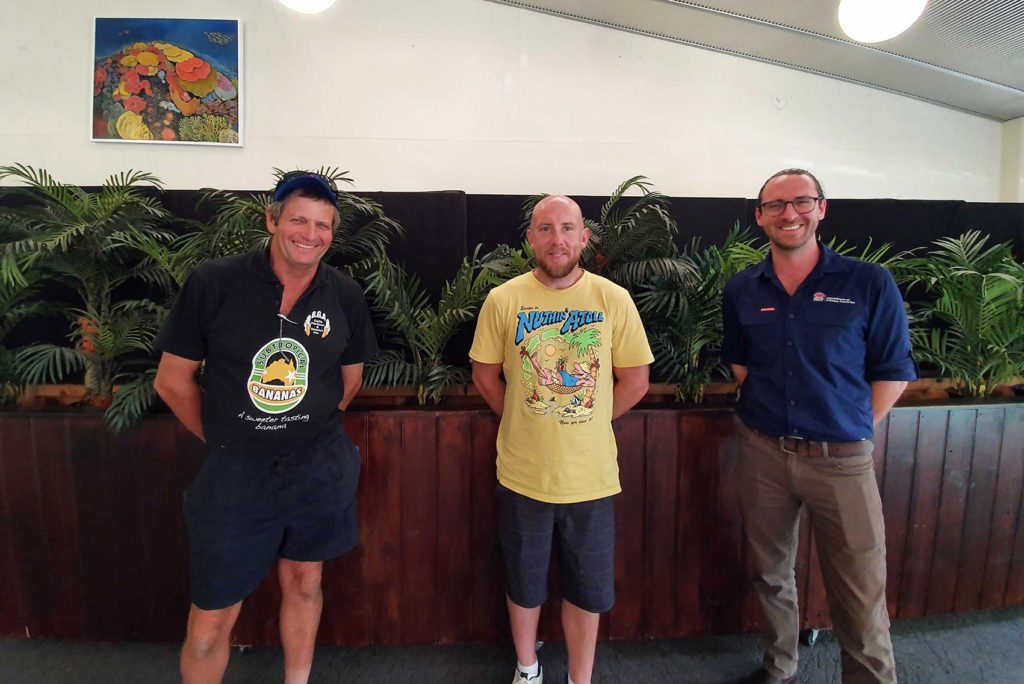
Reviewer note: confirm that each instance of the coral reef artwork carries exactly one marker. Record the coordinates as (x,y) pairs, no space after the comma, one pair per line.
(167,80)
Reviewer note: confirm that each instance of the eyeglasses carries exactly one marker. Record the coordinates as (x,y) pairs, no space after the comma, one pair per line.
(801,205)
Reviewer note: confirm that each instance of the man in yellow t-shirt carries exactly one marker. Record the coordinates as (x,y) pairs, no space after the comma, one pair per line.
(574,356)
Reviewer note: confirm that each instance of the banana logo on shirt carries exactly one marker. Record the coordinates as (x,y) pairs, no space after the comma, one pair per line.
(560,353)
(280,370)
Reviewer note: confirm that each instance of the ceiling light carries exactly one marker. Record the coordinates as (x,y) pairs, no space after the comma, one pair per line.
(872,21)
(308,6)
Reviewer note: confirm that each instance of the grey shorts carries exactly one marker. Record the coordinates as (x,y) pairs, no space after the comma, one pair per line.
(586,538)
(244,510)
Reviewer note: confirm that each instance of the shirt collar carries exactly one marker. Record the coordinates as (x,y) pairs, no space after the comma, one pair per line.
(828,262)
(261,262)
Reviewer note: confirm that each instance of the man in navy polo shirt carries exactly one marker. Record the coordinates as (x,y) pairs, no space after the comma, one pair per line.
(284,339)
(820,347)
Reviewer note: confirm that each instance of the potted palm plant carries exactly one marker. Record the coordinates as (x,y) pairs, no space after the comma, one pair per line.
(969,320)
(416,332)
(84,240)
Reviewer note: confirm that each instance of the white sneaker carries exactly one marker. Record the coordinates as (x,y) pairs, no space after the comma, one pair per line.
(523,678)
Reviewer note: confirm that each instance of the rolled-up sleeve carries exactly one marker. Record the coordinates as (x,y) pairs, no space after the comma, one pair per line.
(888,337)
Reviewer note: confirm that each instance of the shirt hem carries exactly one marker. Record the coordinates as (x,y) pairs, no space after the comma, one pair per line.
(554,499)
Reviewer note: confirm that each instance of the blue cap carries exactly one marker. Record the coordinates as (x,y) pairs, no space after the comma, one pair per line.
(306,180)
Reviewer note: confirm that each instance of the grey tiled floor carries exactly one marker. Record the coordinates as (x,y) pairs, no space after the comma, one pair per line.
(981,647)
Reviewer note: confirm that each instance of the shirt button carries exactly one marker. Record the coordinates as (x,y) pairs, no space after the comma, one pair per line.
(789,373)
(789,343)
(791,316)
(792,402)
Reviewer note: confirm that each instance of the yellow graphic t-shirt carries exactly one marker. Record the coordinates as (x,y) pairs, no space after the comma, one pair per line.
(558,348)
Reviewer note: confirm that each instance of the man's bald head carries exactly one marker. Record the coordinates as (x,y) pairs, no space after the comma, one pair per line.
(549,204)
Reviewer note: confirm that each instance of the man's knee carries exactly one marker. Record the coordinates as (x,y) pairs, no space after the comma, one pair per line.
(208,630)
(301,580)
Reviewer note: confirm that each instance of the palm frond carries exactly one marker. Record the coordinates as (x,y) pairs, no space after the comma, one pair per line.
(131,402)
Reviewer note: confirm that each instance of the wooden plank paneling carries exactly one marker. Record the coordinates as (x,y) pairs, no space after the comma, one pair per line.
(981,491)
(429,565)
(624,620)
(1006,514)
(455,541)
(344,615)
(490,617)
(691,537)
(956,474)
(61,530)
(382,529)
(899,478)
(660,554)
(13,611)
(924,507)
(1013,450)
(418,617)
(722,577)
(106,547)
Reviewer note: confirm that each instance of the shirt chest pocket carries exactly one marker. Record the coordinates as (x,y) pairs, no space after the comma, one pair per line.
(838,329)
(763,334)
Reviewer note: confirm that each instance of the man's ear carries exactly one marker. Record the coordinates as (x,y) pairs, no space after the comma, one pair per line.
(271,226)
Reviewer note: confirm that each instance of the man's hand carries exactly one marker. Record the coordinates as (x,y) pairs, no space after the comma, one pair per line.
(488,382)
(631,385)
(176,384)
(738,372)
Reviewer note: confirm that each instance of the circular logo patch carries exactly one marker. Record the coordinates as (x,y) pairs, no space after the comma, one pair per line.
(280,372)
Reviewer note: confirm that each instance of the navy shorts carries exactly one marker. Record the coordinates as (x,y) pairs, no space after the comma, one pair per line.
(586,538)
(245,509)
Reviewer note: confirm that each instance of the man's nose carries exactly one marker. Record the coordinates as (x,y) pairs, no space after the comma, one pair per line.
(789,211)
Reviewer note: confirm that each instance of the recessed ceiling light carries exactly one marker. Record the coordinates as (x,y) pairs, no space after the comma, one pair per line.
(872,21)
(308,6)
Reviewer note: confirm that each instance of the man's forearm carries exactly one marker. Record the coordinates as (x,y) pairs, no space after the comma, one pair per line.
(348,395)
(493,392)
(625,395)
(884,394)
(185,402)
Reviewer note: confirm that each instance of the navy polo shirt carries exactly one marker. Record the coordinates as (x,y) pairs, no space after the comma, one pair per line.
(267,380)
(811,357)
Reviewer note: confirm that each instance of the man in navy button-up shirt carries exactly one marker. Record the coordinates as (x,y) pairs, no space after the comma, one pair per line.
(820,347)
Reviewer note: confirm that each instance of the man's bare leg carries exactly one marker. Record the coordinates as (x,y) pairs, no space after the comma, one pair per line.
(524,631)
(580,627)
(301,604)
(204,656)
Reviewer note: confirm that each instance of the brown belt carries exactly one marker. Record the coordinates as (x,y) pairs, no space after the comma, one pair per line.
(811,448)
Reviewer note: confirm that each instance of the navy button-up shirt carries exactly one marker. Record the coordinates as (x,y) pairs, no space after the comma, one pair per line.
(811,357)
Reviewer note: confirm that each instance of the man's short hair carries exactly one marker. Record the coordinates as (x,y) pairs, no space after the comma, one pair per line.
(792,172)
(277,208)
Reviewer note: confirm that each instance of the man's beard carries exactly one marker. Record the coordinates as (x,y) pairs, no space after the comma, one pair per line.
(556,273)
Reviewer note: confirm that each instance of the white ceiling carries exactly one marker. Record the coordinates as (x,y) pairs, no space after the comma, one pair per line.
(963,54)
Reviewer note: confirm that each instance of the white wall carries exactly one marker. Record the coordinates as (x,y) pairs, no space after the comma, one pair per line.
(1012,189)
(471,95)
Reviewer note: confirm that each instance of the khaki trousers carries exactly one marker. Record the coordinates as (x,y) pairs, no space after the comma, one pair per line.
(841,497)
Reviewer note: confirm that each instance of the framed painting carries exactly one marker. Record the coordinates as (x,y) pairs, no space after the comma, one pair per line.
(167,81)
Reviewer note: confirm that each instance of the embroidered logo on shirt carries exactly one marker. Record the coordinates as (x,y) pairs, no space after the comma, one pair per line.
(822,297)
(317,323)
(767,309)
(280,372)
